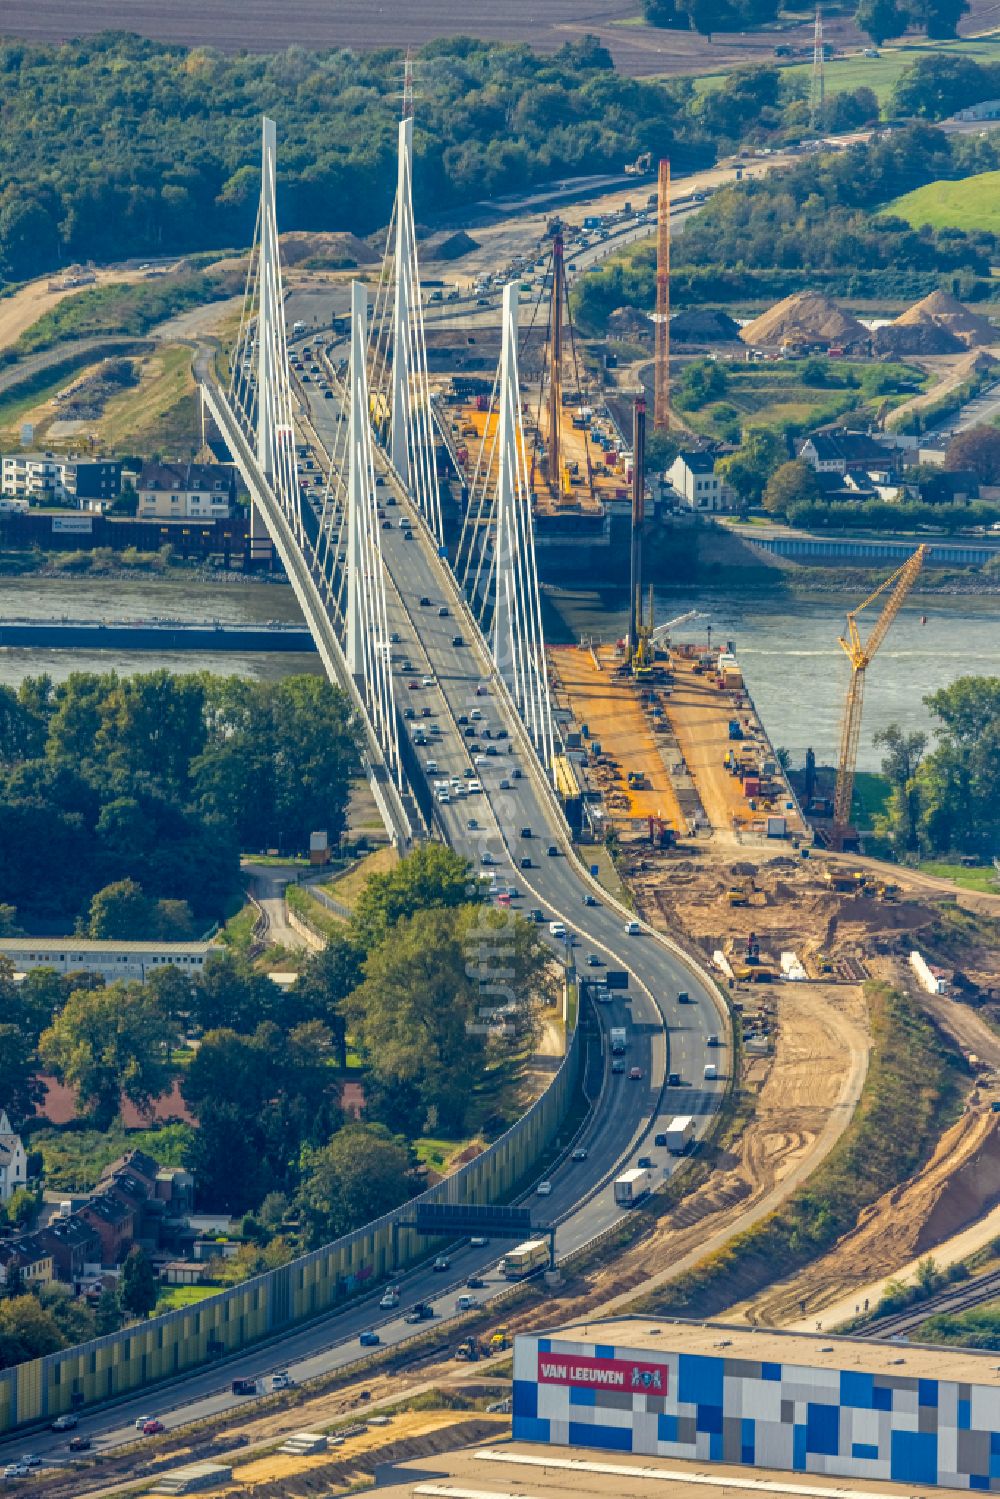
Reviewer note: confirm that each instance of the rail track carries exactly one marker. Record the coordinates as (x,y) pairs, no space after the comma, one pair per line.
(955,1298)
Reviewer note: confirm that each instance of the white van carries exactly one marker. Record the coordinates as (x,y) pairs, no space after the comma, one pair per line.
(632,929)
(431,766)
(557,929)
(711,1072)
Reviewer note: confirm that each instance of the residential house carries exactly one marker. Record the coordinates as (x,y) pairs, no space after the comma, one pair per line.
(695,481)
(135,1163)
(54,479)
(186,491)
(25,1259)
(113,1219)
(13,1160)
(182,1273)
(74,1245)
(833,450)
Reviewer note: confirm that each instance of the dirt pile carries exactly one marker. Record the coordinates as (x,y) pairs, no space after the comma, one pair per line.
(325,252)
(960,1182)
(944,312)
(804,320)
(697,326)
(448,246)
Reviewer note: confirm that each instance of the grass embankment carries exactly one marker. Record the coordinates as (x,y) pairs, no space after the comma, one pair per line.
(304,904)
(911,1094)
(971,204)
(347,887)
(74,1158)
(979,1327)
(161,415)
(171,1298)
(127,309)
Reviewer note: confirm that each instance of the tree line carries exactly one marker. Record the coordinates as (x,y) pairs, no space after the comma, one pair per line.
(117,146)
(879,19)
(160,780)
(946,800)
(822,221)
(435,992)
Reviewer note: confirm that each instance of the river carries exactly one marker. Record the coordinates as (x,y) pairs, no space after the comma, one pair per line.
(786,646)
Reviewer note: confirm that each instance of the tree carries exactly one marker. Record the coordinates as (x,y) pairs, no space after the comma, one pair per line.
(939,84)
(751,466)
(959,781)
(790,484)
(22,1209)
(900,764)
(881,19)
(231,995)
(425,1016)
(978,449)
(121,912)
(432,876)
(137,1285)
(361,1174)
(110,1042)
(27,1331)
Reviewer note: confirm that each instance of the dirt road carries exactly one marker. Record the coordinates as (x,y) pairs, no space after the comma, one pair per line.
(17,313)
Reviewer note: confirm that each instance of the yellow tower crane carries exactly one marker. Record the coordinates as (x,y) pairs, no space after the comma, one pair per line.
(860,656)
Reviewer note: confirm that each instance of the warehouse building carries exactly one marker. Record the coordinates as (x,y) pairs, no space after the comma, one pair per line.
(708,1392)
(109,959)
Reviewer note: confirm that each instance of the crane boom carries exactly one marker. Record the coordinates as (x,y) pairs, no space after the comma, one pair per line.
(860,654)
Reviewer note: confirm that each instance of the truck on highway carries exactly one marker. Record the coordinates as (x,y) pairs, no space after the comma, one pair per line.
(528,1257)
(618,1036)
(680,1133)
(631,1187)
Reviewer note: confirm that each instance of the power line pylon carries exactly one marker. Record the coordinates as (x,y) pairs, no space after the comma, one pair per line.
(661,393)
(817,86)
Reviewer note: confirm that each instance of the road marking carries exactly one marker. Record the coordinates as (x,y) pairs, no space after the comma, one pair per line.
(673,1475)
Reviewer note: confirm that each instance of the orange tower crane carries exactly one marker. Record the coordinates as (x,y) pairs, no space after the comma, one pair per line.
(661,388)
(860,656)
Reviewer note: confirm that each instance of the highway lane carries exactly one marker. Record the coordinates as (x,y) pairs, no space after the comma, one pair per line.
(555,885)
(630,1111)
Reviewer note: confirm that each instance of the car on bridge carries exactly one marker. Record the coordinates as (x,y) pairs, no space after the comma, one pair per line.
(369,1338)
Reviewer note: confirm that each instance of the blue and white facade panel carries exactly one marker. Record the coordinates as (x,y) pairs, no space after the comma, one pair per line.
(836,1422)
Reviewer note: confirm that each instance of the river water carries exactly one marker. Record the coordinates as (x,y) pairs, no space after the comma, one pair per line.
(787,647)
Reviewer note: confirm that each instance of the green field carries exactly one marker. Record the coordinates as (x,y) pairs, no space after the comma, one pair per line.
(983,878)
(775,395)
(973,203)
(878,73)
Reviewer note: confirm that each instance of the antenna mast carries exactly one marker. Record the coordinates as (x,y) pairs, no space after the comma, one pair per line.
(817,89)
(661,394)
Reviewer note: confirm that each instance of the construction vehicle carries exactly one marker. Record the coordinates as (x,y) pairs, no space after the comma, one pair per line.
(470,1350)
(500,1339)
(661,834)
(753,949)
(638,780)
(640,166)
(737,896)
(650,638)
(860,654)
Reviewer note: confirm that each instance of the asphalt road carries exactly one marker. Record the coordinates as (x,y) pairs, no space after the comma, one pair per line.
(629,1112)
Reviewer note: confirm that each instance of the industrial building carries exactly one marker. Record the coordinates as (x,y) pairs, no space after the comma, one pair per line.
(110,959)
(802,1403)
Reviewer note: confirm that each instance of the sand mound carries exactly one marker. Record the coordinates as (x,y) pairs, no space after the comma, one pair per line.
(807,318)
(942,310)
(703,327)
(960,1182)
(332,252)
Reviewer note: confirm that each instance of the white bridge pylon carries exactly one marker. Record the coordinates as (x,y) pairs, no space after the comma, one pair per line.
(337,539)
(495,561)
(400,382)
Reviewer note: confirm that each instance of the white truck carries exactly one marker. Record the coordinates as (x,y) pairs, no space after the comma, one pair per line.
(632,1186)
(680,1133)
(618,1036)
